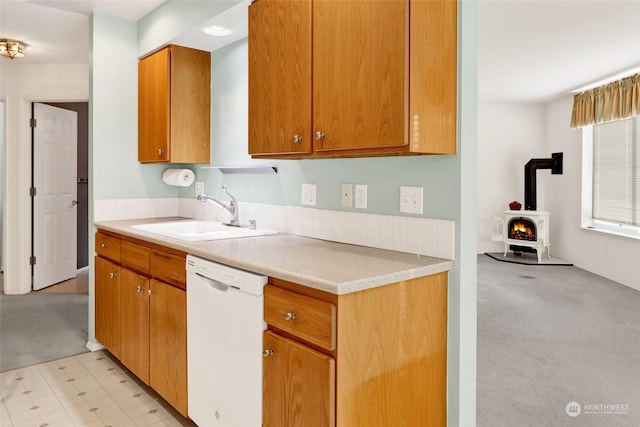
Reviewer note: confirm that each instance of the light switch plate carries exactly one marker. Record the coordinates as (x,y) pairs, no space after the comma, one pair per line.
(308,196)
(346,195)
(411,200)
(361,196)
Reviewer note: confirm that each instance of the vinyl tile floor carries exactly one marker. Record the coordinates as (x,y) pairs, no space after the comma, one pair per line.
(87,390)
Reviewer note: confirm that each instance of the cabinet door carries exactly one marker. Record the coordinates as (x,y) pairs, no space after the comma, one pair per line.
(360,73)
(153,107)
(134,349)
(107,305)
(298,385)
(168,344)
(280,77)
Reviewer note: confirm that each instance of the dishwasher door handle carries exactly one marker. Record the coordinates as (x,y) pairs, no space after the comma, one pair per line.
(216,284)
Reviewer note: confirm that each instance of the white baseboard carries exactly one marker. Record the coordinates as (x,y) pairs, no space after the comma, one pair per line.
(94,346)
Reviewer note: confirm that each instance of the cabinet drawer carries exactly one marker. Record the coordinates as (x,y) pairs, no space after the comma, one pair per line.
(135,256)
(311,319)
(108,247)
(169,268)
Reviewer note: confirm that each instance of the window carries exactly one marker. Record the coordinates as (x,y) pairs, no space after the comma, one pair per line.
(615,176)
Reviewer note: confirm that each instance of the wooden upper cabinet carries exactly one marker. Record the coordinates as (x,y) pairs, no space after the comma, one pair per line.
(433,76)
(359,73)
(174,104)
(280,77)
(382,77)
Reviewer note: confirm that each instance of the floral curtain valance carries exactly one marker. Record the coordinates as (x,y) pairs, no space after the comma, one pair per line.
(613,101)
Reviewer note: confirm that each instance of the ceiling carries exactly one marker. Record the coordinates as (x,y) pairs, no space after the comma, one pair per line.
(528,50)
(535,51)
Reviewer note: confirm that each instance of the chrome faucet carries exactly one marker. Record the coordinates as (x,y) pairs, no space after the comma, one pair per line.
(232,208)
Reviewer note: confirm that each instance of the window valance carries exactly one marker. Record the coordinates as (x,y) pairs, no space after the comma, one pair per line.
(613,101)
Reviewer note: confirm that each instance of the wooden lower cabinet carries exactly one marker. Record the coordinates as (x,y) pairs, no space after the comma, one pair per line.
(167,343)
(142,320)
(135,324)
(390,356)
(298,386)
(107,304)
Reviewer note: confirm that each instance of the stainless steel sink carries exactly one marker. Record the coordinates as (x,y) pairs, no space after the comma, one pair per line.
(198,231)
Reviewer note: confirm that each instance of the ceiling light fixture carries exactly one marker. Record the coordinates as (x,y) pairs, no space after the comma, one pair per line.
(217,30)
(12,48)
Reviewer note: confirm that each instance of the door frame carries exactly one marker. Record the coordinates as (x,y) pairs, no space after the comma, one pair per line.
(17,181)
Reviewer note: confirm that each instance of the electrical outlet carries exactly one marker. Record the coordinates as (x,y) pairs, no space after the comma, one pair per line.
(411,200)
(199,187)
(308,197)
(347,195)
(361,196)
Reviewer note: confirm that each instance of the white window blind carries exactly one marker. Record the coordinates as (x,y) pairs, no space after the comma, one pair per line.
(616,171)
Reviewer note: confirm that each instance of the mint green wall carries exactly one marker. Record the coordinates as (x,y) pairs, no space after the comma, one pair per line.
(463,278)
(383,176)
(114,115)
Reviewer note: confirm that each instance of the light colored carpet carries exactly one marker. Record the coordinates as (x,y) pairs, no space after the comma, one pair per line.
(39,327)
(552,335)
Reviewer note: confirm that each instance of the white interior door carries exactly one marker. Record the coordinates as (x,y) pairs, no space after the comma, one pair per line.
(55,141)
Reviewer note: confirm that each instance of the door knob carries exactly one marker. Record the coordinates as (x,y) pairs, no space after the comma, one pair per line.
(74,202)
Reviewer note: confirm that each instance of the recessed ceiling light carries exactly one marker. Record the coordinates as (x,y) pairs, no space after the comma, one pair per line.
(217,30)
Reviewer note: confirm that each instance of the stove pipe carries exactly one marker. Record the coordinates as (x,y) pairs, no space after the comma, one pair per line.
(530,184)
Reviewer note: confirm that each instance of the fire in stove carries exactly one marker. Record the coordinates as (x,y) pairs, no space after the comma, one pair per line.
(522,229)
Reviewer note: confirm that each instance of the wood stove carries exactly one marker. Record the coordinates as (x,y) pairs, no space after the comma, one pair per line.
(528,230)
(522,231)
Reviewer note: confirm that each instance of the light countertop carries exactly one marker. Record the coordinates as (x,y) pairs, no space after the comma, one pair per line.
(336,268)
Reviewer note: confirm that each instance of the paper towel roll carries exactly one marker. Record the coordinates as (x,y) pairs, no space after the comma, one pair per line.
(178,177)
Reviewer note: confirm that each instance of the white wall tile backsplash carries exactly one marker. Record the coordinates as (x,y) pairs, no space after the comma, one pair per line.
(423,236)
(117,209)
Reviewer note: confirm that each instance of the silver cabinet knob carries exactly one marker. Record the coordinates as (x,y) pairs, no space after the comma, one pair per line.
(290,315)
(267,352)
(297,139)
(160,151)
(140,288)
(104,245)
(319,136)
(113,275)
(151,292)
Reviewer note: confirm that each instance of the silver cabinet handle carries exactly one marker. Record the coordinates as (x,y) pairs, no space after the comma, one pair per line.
(160,151)
(140,288)
(268,352)
(319,136)
(290,315)
(297,139)
(113,275)
(151,292)
(104,245)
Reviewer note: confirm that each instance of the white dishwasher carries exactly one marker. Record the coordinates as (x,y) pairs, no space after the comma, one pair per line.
(224,344)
